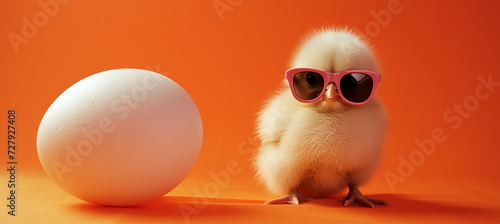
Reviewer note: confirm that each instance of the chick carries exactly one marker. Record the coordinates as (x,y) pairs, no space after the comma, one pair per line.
(319,148)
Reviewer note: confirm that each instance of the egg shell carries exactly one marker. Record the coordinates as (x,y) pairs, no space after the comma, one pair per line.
(120,137)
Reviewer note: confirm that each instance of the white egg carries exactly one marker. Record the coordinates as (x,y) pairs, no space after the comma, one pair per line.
(120,137)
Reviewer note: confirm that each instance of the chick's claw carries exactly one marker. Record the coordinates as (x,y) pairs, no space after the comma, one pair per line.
(363,201)
(292,198)
(354,197)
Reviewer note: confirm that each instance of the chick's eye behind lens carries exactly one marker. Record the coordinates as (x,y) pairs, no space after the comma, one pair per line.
(307,85)
(356,87)
(311,79)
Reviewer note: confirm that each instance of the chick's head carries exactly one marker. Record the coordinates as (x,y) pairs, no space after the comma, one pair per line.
(334,51)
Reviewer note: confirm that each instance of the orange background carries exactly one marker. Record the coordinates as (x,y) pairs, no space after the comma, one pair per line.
(431,54)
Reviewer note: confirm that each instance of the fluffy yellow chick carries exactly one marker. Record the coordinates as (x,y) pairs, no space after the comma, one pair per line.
(319,148)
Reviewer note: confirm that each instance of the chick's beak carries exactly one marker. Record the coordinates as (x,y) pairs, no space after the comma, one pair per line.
(331,92)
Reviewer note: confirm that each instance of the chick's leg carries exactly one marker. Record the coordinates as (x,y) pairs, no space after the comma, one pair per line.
(354,197)
(293,198)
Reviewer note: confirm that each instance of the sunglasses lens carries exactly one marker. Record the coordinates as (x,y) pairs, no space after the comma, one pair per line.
(356,87)
(308,85)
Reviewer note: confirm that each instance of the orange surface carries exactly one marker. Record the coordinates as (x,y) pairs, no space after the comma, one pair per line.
(433,56)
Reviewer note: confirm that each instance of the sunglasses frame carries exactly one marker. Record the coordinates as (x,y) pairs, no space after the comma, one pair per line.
(329,78)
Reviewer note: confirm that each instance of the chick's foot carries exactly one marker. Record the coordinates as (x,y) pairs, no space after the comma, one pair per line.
(293,198)
(354,197)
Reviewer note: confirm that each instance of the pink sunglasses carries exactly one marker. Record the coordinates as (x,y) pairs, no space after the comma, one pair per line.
(354,86)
